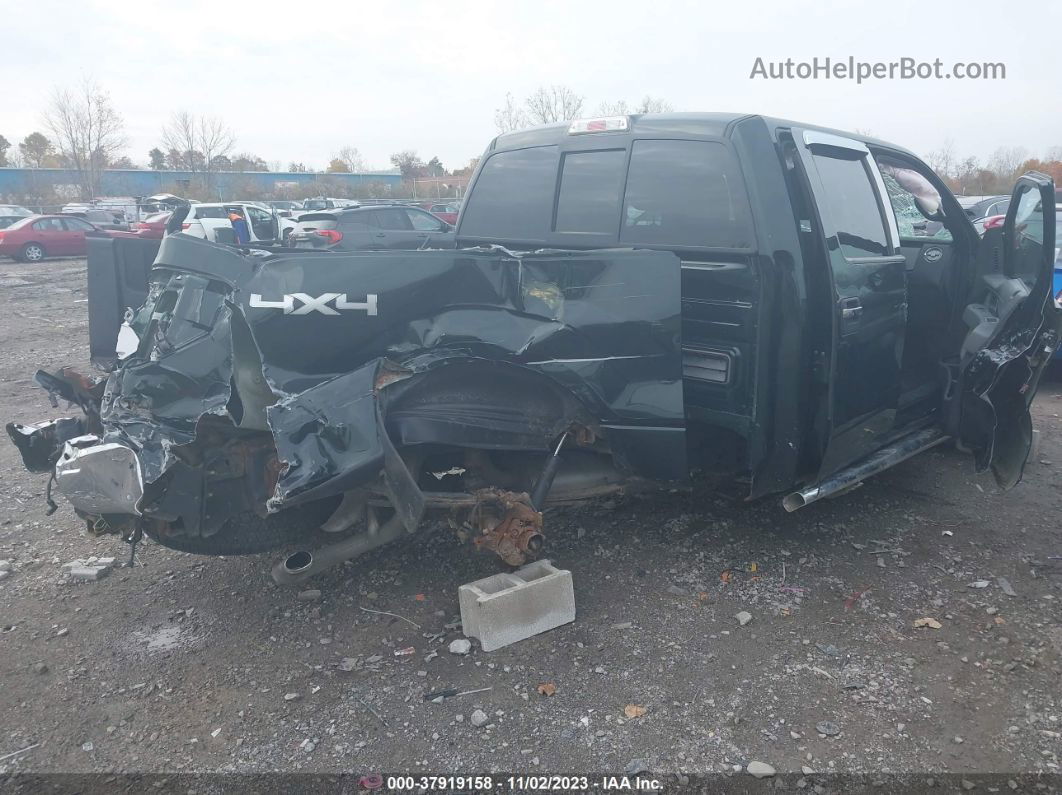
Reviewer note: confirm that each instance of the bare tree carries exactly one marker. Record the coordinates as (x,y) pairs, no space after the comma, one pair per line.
(351,158)
(510,116)
(651,104)
(943,160)
(618,108)
(179,135)
(553,103)
(87,130)
(1006,161)
(203,142)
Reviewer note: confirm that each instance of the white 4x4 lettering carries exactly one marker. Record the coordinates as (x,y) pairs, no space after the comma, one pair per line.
(320,303)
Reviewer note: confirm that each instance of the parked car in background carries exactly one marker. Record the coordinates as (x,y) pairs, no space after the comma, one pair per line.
(211,222)
(985,206)
(285,209)
(153,227)
(9,213)
(325,203)
(372,228)
(444,211)
(38,236)
(100,217)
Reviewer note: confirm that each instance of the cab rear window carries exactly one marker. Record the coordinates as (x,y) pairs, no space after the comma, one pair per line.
(678,193)
(685,193)
(513,195)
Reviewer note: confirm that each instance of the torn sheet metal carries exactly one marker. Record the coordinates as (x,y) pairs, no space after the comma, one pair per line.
(263,381)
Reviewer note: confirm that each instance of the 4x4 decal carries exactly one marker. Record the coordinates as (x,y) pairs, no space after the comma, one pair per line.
(310,303)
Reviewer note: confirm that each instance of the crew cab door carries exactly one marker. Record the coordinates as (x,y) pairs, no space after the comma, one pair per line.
(868,295)
(1012,325)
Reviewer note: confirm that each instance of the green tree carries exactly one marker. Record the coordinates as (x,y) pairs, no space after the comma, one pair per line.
(337,166)
(409,163)
(36,149)
(4,146)
(157,159)
(435,168)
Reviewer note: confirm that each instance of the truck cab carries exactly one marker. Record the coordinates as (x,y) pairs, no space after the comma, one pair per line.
(834,292)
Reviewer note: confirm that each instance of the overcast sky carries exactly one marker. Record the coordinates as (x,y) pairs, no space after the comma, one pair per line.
(298,80)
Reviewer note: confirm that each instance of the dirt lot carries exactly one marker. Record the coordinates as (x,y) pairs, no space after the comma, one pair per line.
(186,663)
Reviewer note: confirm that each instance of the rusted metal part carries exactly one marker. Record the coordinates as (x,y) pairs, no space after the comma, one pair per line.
(507,525)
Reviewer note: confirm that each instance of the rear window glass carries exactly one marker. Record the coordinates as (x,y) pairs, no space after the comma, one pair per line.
(590,191)
(513,195)
(393,219)
(211,212)
(352,222)
(685,193)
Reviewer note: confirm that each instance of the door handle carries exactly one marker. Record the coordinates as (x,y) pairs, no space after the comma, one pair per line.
(379,234)
(851,309)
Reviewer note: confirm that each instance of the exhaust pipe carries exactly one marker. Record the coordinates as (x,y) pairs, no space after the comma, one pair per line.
(871,465)
(305,564)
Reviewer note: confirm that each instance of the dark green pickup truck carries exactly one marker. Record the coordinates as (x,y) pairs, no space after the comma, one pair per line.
(632,301)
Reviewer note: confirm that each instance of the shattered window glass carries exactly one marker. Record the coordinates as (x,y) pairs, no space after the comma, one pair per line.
(912,222)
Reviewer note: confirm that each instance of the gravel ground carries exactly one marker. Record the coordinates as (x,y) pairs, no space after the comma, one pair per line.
(186,663)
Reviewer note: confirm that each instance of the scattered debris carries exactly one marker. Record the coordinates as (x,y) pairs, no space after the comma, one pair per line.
(393,615)
(636,766)
(743,617)
(41,668)
(479,717)
(849,603)
(450,692)
(623,625)
(292,697)
(406,651)
(546,689)
(634,711)
(932,623)
(31,747)
(828,728)
(309,595)
(979,584)
(460,646)
(1006,587)
(371,781)
(759,770)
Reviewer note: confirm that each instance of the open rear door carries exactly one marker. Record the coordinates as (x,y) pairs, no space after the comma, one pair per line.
(1012,327)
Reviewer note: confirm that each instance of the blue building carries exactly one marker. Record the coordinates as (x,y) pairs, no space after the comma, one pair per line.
(18,182)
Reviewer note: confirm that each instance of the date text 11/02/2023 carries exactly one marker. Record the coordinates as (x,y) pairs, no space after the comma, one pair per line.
(522,783)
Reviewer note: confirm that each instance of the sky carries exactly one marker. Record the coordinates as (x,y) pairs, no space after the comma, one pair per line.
(297,81)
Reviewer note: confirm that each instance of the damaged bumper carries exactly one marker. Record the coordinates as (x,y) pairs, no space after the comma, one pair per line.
(398,381)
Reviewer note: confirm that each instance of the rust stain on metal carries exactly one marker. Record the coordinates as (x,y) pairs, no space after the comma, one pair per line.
(507,525)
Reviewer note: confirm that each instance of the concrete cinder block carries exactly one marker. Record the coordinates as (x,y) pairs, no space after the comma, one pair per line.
(88,572)
(507,608)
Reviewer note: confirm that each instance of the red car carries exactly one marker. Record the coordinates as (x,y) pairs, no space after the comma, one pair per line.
(39,236)
(153,227)
(443,210)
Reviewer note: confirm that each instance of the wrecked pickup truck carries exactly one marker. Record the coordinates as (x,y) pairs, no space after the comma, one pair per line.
(634,301)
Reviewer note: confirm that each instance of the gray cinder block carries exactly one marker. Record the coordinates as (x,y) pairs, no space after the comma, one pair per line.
(507,608)
(88,572)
